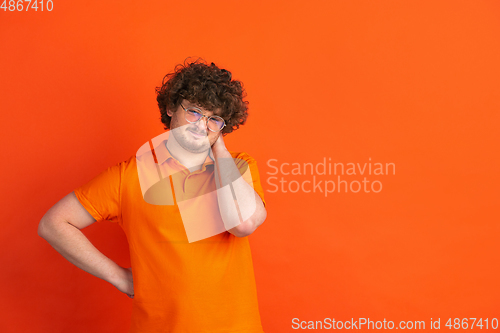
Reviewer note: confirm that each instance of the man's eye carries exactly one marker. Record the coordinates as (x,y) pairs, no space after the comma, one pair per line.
(217,122)
(193,113)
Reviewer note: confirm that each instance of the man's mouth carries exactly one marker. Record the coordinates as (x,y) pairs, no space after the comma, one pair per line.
(197,134)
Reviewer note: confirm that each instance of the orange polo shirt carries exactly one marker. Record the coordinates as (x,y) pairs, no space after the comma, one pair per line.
(203,286)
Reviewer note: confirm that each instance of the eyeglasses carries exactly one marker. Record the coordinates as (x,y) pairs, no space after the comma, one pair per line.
(193,115)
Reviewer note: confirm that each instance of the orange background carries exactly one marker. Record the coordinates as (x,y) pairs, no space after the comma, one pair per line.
(411,83)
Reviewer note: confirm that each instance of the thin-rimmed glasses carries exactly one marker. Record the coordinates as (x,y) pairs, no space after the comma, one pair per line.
(193,115)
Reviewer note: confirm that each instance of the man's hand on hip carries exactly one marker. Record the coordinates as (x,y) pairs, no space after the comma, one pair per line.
(124,281)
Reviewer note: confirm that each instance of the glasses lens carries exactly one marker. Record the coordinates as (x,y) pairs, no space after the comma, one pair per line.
(215,123)
(192,115)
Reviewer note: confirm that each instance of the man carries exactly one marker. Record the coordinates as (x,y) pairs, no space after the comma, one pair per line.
(175,200)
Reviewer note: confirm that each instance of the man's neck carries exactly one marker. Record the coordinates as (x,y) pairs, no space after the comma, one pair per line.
(192,161)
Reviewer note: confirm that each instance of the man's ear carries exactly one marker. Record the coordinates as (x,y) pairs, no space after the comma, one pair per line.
(169,113)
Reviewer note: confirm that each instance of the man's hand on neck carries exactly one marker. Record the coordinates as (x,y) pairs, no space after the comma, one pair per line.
(218,149)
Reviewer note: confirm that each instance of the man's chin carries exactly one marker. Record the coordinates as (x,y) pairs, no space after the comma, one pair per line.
(199,150)
(198,147)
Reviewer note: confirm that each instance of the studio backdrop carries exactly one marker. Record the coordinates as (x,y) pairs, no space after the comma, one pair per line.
(374,125)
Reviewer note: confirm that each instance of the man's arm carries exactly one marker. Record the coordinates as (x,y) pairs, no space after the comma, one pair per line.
(250,207)
(61,225)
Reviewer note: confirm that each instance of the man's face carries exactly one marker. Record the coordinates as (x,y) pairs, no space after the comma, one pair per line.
(195,138)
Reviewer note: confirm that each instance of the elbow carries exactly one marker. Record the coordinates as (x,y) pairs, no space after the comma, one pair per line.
(241,230)
(42,228)
(249,226)
(46,227)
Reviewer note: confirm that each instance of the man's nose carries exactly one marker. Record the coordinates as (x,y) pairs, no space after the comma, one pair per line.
(201,125)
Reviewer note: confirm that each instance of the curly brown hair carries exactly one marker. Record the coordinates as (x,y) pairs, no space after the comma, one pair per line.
(207,86)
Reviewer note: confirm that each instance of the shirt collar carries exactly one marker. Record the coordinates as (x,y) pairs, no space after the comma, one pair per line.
(162,155)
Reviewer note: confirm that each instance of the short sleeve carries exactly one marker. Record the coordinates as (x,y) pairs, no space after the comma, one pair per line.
(101,196)
(246,161)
